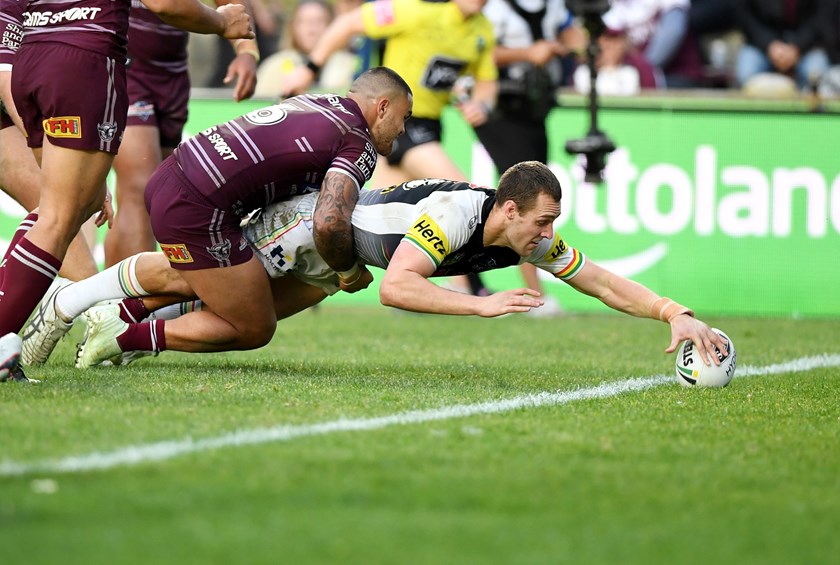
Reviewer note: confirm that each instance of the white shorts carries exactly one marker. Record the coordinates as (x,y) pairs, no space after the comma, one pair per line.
(281,237)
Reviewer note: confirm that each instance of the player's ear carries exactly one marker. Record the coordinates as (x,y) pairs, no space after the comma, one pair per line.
(382,106)
(510,208)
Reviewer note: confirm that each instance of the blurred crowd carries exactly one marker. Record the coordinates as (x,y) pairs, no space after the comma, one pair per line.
(763,47)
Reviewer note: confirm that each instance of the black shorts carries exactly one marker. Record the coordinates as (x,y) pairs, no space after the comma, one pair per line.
(417,132)
(509,141)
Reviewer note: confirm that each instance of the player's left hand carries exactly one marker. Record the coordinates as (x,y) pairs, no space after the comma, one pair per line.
(106,213)
(705,340)
(358,283)
(244,69)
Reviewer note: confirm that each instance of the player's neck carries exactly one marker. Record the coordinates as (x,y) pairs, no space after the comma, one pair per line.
(494,229)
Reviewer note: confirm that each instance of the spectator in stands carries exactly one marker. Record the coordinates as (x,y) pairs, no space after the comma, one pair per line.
(781,36)
(658,35)
(712,16)
(830,37)
(621,71)
(307,24)
(714,24)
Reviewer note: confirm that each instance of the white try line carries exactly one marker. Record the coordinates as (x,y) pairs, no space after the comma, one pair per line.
(160,451)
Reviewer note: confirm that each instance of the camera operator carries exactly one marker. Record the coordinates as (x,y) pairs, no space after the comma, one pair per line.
(531,37)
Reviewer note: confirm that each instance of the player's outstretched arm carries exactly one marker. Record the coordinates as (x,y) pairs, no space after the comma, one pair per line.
(635,299)
(406,285)
(333,232)
(230,21)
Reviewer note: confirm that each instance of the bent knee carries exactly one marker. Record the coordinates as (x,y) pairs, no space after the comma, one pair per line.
(257,335)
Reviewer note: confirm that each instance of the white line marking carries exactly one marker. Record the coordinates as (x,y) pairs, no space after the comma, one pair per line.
(161,451)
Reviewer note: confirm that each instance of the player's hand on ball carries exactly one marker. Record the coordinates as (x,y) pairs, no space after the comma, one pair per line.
(705,340)
(509,301)
(691,371)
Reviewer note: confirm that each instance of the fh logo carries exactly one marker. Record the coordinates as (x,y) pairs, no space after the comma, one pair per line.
(176,253)
(63,126)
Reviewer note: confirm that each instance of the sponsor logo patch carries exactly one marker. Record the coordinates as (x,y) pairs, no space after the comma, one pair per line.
(176,253)
(63,126)
(141,109)
(383,12)
(427,234)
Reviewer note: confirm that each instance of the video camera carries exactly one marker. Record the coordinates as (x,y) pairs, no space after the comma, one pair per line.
(596,145)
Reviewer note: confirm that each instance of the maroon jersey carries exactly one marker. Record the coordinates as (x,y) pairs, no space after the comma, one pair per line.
(278,151)
(152,42)
(11,30)
(99,26)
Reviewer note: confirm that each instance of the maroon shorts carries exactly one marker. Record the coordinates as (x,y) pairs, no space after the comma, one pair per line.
(5,119)
(158,98)
(77,98)
(193,234)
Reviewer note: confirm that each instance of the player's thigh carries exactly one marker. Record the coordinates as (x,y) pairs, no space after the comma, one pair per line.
(73,182)
(430,160)
(20,176)
(292,295)
(240,295)
(139,155)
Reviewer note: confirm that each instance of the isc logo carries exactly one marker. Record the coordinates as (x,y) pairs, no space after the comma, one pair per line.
(63,126)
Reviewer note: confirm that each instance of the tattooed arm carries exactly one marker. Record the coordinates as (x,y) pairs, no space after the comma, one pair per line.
(333,232)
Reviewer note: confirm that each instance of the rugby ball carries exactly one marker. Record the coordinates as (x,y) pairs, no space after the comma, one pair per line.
(692,371)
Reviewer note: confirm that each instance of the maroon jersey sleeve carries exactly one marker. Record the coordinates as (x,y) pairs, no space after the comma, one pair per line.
(11,30)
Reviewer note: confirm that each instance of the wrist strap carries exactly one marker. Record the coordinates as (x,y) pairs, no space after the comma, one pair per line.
(247,46)
(665,309)
(309,64)
(351,275)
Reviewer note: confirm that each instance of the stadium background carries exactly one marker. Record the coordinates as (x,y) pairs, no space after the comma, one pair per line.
(726,203)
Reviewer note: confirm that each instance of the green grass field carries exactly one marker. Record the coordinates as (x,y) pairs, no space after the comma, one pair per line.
(327,467)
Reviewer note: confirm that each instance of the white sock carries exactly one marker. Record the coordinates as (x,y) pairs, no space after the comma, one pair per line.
(175,310)
(118,281)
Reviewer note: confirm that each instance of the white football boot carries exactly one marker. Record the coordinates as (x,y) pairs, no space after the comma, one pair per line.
(104,326)
(10,346)
(45,329)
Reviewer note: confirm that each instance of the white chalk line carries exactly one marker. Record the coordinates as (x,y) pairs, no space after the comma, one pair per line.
(161,451)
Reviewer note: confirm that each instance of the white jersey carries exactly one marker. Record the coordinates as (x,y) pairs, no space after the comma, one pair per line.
(639,18)
(443,219)
(512,30)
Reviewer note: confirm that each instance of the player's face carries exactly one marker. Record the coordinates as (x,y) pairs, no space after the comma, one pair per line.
(391,125)
(527,229)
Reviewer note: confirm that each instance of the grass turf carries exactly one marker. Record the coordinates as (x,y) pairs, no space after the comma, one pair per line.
(747,474)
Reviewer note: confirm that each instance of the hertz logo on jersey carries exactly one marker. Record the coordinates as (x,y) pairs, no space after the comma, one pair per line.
(558,247)
(63,126)
(427,235)
(176,253)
